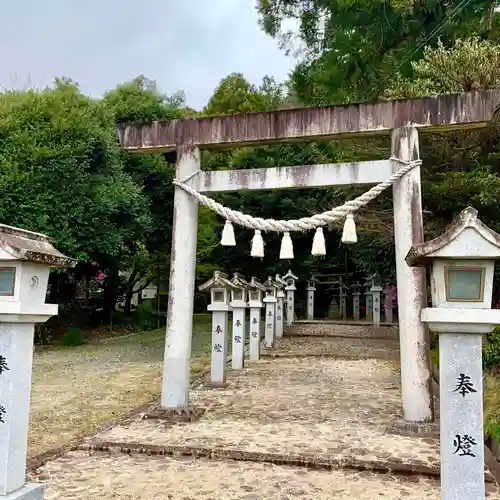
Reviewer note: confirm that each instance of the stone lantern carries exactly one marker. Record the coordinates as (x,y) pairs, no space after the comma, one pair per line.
(255,304)
(26,259)
(239,303)
(270,300)
(290,289)
(310,289)
(461,263)
(220,287)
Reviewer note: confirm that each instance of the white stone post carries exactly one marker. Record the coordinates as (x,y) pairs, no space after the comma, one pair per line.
(388,303)
(255,304)
(461,410)
(255,331)
(219,287)
(412,294)
(280,319)
(23,285)
(311,288)
(219,345)
(239,331)
(179,329)
(239,304)
(269,330)
(290,289)
(376,291)
(368,305)
(290,305)
(355,304)
(343,302)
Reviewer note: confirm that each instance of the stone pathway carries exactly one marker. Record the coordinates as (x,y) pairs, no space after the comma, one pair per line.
(336,410)
(78,476)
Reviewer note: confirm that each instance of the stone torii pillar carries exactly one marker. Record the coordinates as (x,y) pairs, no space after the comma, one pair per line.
(416,377)
(311,289)
(290,290)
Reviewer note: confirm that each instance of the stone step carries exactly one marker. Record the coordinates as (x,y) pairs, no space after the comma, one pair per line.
(329,329)
(81,476)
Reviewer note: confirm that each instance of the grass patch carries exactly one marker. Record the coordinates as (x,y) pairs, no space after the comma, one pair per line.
(434,355)
(78,389)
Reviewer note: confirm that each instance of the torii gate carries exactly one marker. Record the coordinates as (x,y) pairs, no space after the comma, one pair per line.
(399,119)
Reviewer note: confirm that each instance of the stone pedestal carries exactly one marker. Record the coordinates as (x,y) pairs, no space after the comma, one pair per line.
(219,345)
(255,308)
(389,294)
(461,416)
(239,330)
(269,329)
(355,305)
(280,319)
(388,314)
(310,302)
(290,305)
(376,292)
(16,359)
(31,491)
(369,305)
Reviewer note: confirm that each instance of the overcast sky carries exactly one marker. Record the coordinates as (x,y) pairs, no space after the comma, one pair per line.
(182,44)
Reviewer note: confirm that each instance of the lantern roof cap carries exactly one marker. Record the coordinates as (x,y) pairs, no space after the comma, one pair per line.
(219,279)
(466,238)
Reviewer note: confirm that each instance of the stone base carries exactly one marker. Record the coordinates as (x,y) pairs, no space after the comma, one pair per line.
(30,491)
(422,429)
(190,414)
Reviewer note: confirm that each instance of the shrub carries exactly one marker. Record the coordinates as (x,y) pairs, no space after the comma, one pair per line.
(145,316)
(73,337)
(491,351)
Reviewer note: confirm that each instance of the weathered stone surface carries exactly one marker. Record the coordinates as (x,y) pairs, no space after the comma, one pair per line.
(442,112)
(79,475)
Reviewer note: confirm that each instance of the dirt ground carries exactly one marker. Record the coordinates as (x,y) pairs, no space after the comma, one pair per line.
(76,390)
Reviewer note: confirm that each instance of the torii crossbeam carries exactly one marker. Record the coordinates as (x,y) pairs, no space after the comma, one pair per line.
(400,119)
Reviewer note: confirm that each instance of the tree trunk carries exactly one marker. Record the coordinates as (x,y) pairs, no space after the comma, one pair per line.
(127,308)
(110,292)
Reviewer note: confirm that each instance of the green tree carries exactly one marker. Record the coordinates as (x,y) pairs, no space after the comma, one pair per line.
(349,48)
